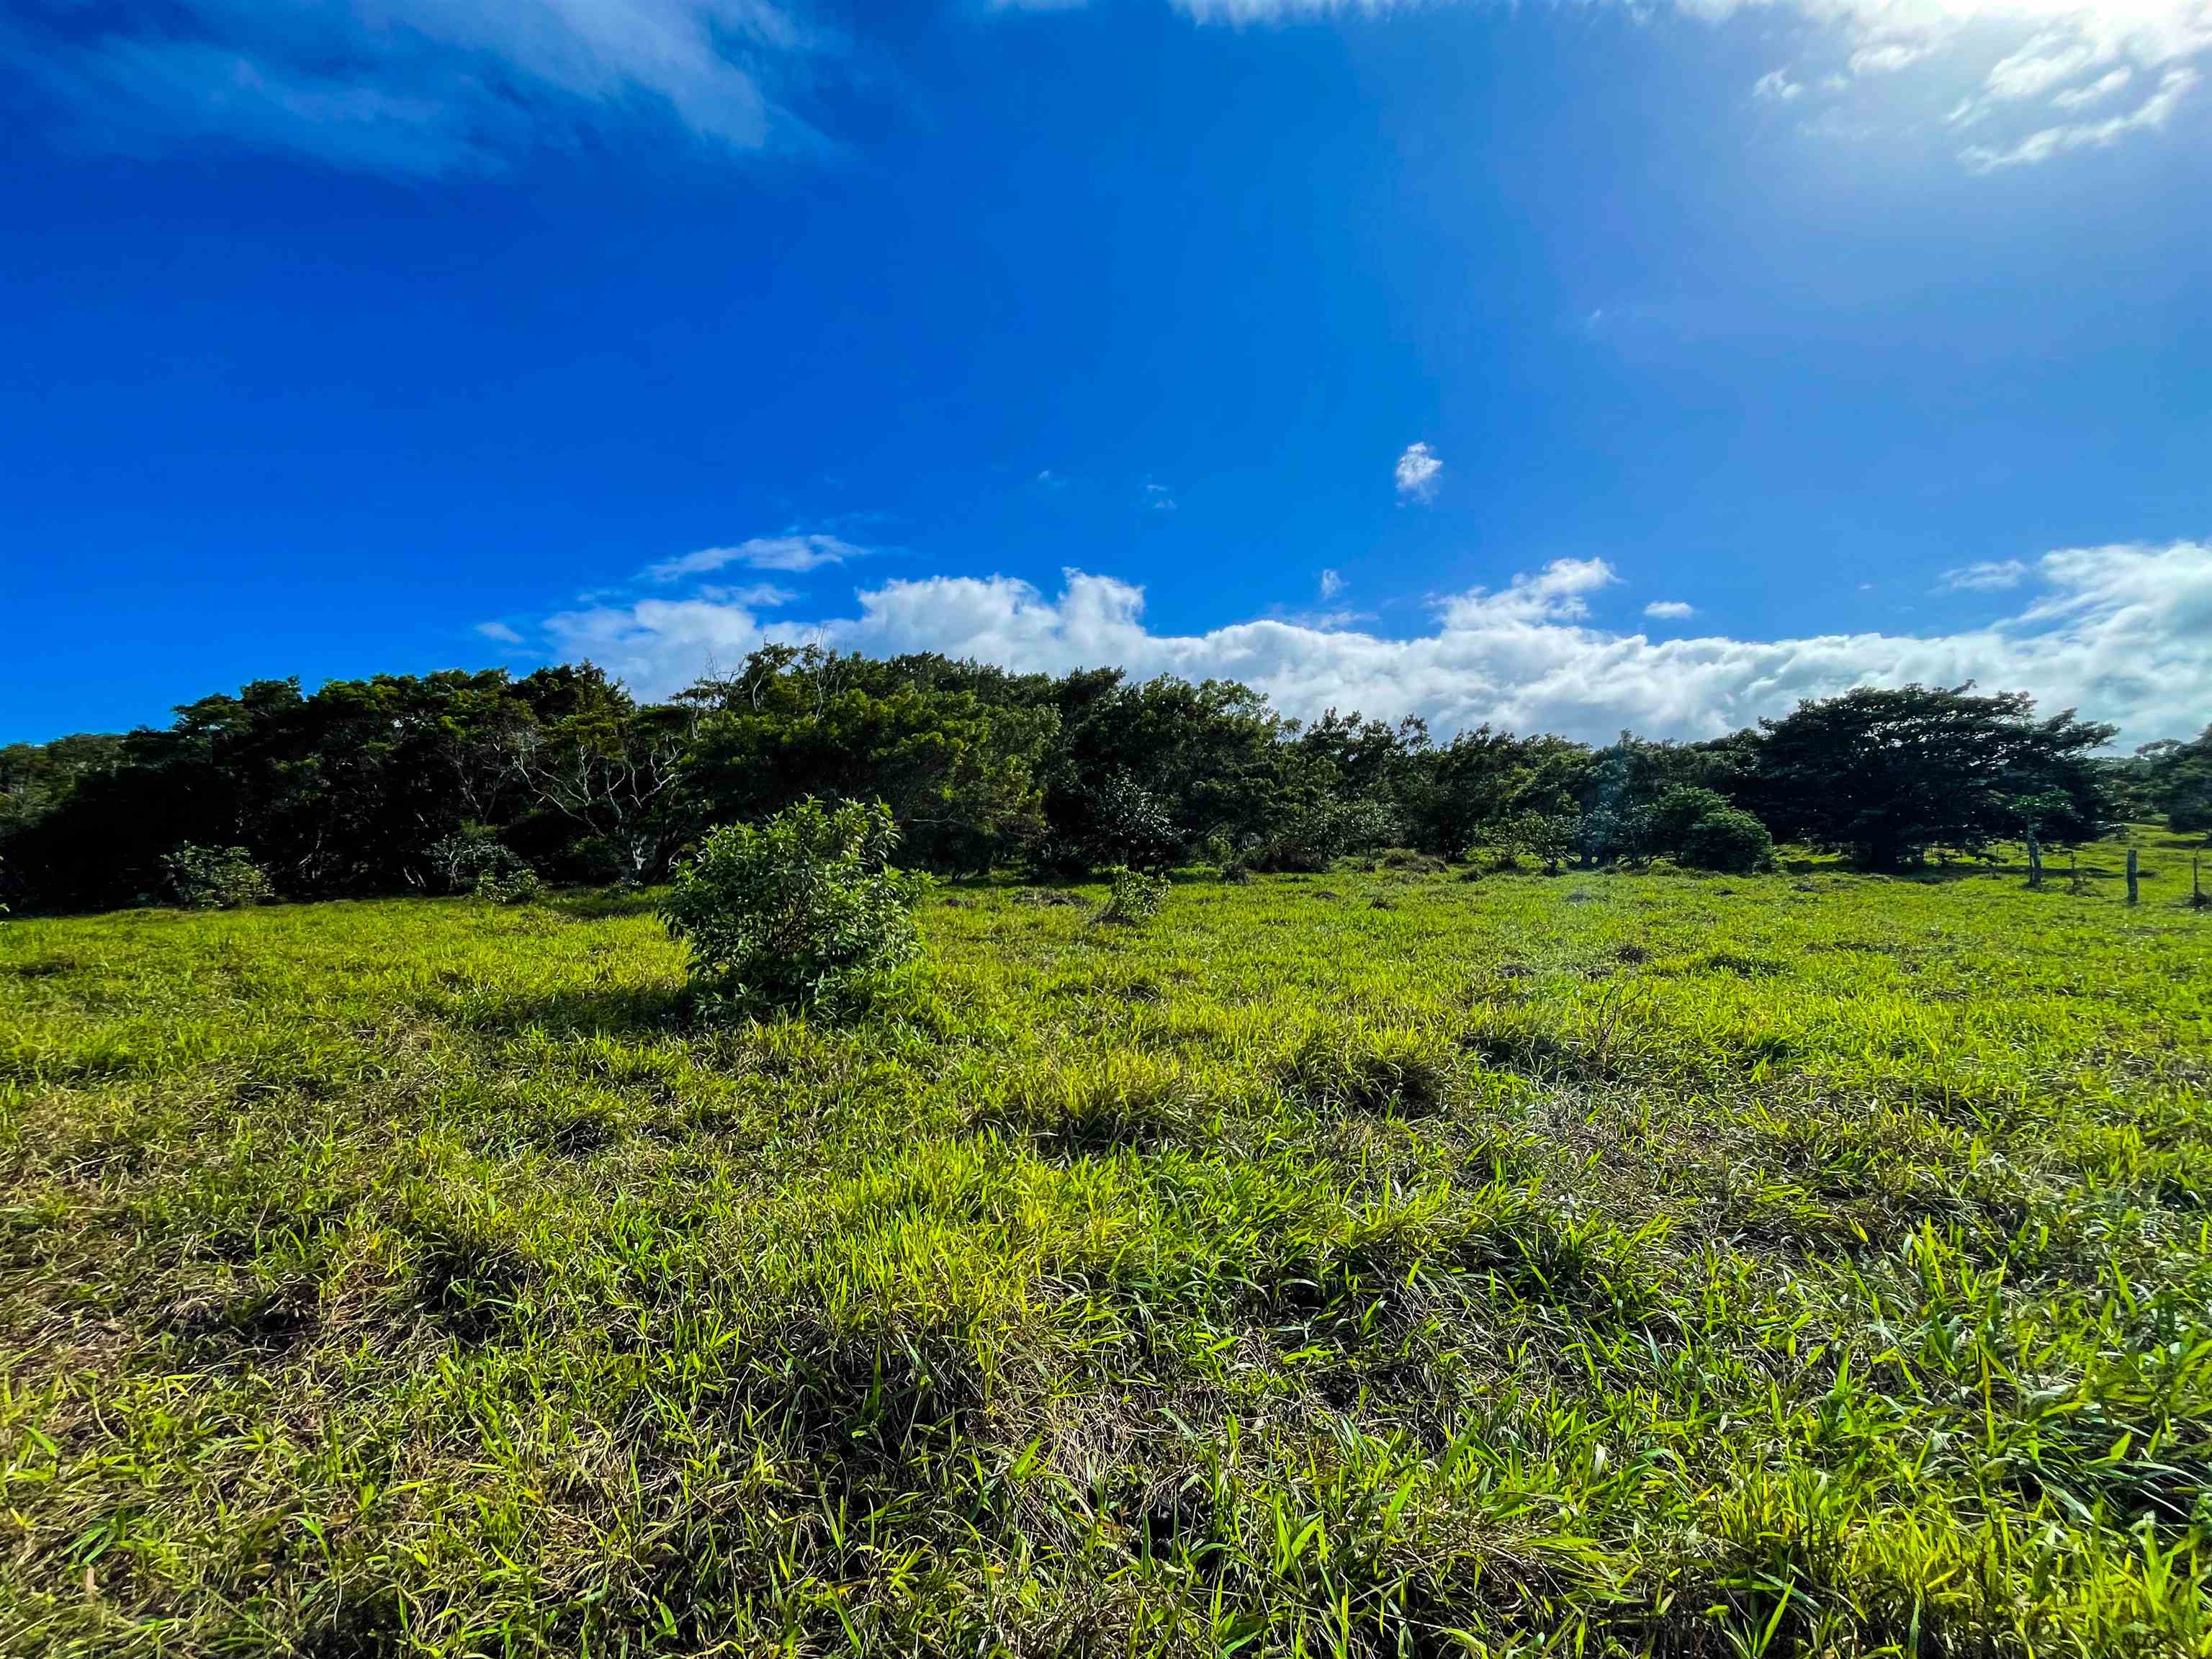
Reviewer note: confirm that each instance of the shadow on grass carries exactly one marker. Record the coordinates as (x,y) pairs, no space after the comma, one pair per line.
(2055,873)
(601,903)
(610,1011)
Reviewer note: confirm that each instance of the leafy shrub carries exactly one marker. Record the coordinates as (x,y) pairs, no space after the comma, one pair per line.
(517,883)
(1134,896)
(214,878)
(456,860)
(1667,820)
(1130,826)
(1553,837)
(1727,840)
(802,908)
(1313,836)
(474,859)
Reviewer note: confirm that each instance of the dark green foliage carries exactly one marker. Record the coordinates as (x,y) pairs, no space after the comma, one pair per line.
(1551,838)
(1311,836)
(214,878)
(382,784)
(474,860)
(1888,775)
(803,908)
(956,751)
(1723,838)
(1133,895)
(512,884)
(2180,777)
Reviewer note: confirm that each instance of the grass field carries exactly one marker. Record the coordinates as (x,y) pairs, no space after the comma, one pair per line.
(1362,1263)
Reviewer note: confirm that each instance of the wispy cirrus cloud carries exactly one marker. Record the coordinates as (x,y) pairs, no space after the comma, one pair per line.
(794,553)
(1988,577)
(404,86)
(2056,140)
(2115,631)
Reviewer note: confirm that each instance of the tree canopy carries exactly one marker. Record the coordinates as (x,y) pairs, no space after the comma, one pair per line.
(370,785)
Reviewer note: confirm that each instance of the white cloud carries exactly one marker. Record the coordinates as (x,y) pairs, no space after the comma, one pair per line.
(1417,473)
(760,596)
(1159,498)
(2030,49)
(1331,584)
(2103,86)
(1670,610)
(499,631)
(2040,146)
(1887,57)
(793,553)
(408,86)
(1988,577)
(2116,631)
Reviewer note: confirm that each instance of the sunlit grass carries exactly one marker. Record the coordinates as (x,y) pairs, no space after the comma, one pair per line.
(1363,1263)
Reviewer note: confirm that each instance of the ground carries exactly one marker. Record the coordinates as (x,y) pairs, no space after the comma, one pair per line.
(1376,1262)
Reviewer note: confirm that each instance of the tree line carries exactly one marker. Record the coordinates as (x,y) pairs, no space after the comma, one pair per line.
(409,783)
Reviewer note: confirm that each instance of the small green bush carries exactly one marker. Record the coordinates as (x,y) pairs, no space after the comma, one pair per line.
(458,861)
(803,908)
(1133,897)
(514,884)
(1727,840)
(214,878)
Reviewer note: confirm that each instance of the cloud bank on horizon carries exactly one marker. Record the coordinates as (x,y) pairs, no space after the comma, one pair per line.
(2118,632)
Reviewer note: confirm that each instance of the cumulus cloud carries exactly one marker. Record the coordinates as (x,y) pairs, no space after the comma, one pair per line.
(2116,631)
(1776,87)
(1417,473)
(793,553)
(403,85)
(1670,610)
(1988,577)
(1331,584)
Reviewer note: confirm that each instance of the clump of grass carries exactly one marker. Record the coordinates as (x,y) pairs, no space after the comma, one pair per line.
(1391,1071)
(1119,1099)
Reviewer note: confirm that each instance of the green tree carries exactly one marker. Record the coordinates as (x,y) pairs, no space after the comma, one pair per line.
(1888,774)
(2181,782)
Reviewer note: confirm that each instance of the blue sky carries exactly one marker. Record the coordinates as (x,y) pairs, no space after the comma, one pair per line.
(1570,366)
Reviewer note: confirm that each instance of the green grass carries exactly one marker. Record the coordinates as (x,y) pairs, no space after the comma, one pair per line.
(1365,1263)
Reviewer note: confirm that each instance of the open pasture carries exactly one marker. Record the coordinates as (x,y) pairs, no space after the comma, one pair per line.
(1367,1263)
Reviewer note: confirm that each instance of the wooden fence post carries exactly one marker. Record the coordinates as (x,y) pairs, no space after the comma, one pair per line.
(2132,894)
(2034,861)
